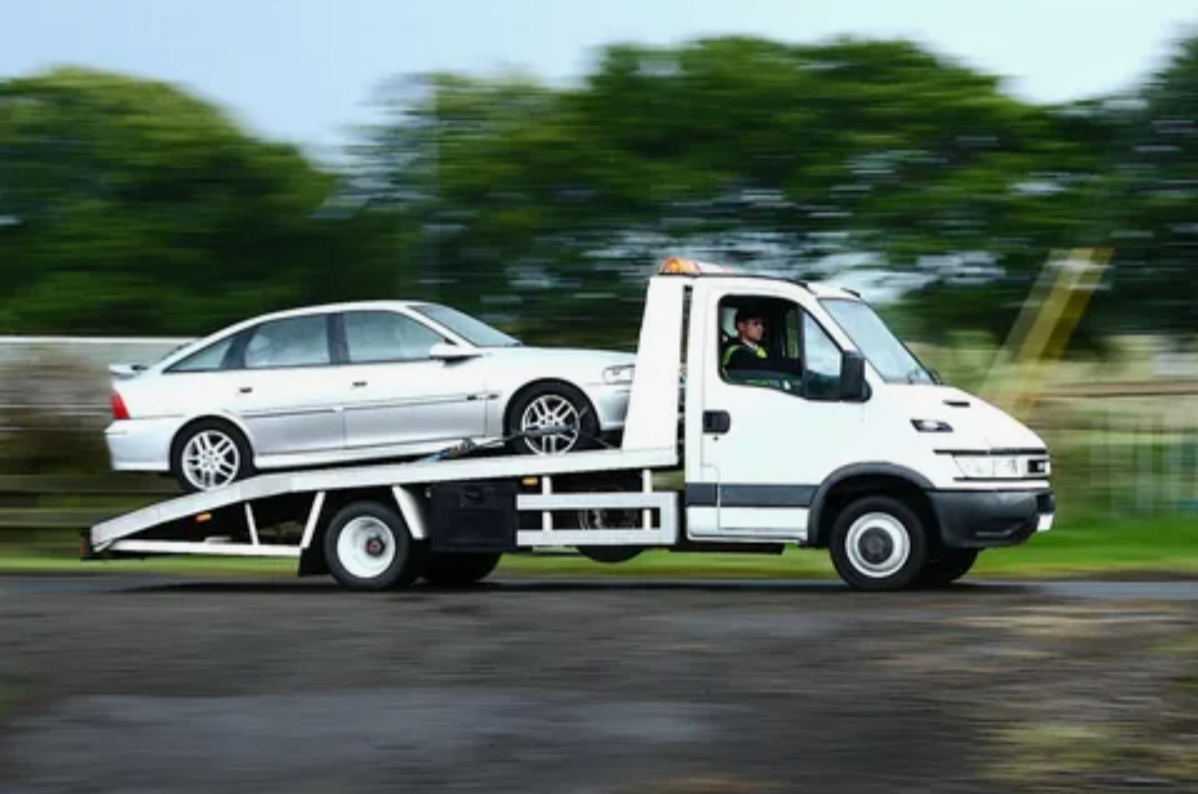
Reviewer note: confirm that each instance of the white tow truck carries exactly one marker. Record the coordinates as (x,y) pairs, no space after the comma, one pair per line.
(839,439)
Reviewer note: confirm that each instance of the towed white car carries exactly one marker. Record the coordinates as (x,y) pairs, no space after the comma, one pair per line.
(352,382)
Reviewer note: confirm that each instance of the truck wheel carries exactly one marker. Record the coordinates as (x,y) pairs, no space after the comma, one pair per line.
(459,570)
(368,547)
(947,566)
(879,543)
(602,518)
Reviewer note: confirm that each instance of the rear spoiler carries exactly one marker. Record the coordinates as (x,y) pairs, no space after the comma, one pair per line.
(126,370)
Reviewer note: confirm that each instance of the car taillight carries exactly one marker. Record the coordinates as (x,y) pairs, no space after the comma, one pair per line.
(119,411)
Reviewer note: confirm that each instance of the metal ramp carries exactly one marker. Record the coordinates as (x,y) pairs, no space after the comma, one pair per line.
(403,480)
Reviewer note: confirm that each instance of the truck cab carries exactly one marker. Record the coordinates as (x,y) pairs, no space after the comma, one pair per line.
(832,433)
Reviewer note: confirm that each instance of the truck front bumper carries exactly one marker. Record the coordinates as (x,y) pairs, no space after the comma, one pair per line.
(986,519)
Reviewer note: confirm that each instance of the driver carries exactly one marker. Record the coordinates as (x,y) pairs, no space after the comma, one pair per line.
(746,353)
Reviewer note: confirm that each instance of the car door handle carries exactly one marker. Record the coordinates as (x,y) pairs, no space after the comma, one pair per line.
(716,422)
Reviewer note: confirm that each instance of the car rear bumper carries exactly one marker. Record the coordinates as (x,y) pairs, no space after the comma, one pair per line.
(140,444)
(986,519)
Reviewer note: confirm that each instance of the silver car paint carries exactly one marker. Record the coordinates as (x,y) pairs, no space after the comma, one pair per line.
(311,415)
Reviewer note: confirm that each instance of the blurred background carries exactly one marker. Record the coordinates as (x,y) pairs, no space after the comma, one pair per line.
(166,169)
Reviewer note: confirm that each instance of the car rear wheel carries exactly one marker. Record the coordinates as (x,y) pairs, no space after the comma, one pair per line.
(210,454)
(552,419)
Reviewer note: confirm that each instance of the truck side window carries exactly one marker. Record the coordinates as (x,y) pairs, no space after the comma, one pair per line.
(770,356)
(822,358)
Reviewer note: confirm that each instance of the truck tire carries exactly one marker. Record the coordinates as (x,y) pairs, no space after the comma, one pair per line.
(879,544)
(459,570)
(368,547)
(947,566)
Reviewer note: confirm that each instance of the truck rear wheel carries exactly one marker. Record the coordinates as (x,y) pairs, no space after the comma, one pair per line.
(368,547)
(879,543)
(459,570)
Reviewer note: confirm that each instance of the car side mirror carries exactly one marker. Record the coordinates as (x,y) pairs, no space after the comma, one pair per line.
(443,351)
(853,387)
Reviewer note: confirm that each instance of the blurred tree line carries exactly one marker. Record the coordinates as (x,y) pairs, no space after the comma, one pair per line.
(128,206)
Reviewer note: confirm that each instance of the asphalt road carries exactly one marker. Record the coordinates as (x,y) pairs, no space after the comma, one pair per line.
(138,684)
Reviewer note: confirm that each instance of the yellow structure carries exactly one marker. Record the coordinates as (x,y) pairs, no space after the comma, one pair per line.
(1044,327)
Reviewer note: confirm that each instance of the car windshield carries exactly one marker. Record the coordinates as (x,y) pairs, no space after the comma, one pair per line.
(473,330)
(874,339)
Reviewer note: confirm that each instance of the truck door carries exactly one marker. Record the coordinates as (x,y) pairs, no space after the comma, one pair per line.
(775,430)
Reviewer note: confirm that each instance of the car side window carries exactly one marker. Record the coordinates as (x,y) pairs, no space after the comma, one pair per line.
(381,336)
(208,359)
(291,342)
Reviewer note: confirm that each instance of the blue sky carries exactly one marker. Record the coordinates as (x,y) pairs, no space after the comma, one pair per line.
(303,70)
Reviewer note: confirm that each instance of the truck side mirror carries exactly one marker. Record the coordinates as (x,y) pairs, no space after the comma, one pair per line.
(853,387)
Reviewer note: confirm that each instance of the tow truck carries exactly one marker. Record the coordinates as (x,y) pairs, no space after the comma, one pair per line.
(840,440)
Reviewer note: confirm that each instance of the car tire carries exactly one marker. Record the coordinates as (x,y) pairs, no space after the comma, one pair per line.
(459,570)
(367,546)
(544,404)
(879,544)
(224,456)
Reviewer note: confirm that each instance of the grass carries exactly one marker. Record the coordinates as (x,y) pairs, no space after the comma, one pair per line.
(1159,546)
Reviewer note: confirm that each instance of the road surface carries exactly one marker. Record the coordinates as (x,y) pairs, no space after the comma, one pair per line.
(132,684)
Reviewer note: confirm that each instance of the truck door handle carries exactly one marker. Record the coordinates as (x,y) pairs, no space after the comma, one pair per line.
(717,422)
(246,389)
(359,384)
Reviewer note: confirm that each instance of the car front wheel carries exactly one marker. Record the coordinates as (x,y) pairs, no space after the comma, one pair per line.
(551,419)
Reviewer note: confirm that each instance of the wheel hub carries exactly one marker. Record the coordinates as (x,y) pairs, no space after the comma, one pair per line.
(375,547)
(876,546)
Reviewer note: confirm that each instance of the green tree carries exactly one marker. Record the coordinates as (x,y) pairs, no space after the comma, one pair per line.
(775,157)
(128,206)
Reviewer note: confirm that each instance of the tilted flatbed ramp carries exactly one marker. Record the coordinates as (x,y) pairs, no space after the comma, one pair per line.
(397,475)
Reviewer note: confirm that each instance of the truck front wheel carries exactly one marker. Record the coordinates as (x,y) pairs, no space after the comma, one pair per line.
(879,543)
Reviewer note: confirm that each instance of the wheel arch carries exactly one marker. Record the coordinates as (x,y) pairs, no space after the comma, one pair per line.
(224,418)
(859,479)
(312,557)
(525,388)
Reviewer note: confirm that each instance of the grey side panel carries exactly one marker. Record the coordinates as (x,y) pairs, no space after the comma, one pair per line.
(711,495)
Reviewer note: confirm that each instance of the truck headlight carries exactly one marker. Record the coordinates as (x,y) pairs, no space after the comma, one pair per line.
(619,374)
(988,467)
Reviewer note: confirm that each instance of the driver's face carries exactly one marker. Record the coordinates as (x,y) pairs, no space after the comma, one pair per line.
(752,329)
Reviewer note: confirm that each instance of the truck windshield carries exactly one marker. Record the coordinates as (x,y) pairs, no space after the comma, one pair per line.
(473,330)
(885,352)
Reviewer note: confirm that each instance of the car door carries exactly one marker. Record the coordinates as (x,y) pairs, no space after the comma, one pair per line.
(284,389)
(395,394)
(786,430)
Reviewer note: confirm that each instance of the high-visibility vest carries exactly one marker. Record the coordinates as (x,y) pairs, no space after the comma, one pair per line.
(758,351)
